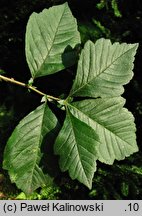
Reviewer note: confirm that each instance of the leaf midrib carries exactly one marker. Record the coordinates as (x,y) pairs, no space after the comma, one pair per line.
(101,72)
(77,147)
(48,53)
(97,122)
(38,144)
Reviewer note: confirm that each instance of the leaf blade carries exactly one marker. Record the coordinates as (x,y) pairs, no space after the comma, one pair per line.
(113,124)
(50,39)
(103,69)
(22,153)
(77,146)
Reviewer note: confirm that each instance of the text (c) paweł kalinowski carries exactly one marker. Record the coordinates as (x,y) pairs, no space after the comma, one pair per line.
(57,206)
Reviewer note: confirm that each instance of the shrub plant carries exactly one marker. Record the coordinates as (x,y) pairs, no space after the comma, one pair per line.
(96,124)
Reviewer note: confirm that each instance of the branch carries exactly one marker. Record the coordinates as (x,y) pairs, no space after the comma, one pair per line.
(27,86)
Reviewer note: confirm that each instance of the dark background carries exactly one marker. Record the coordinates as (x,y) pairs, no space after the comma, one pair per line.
(123,180)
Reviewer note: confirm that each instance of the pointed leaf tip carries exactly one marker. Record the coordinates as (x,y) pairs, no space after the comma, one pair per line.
(51,37)
(22,153)
(114,125)
(103,69)
(77,145)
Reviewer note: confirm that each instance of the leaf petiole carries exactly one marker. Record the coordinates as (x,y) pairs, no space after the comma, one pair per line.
(28,87)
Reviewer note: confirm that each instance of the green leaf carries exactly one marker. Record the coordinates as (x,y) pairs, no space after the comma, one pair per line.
(22,153)
(114,125)
(125,189)
(51,37)
(77,145)
(114,5)
(103,69)
(2,72)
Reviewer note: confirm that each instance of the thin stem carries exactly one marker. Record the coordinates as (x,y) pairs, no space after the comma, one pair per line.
(27,86)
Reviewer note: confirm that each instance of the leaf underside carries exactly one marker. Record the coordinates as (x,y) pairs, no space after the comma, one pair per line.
(103,69)
(22,153)
(51,37)
(77,146)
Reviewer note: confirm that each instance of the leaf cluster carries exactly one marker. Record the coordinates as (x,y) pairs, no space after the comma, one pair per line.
(97,127)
